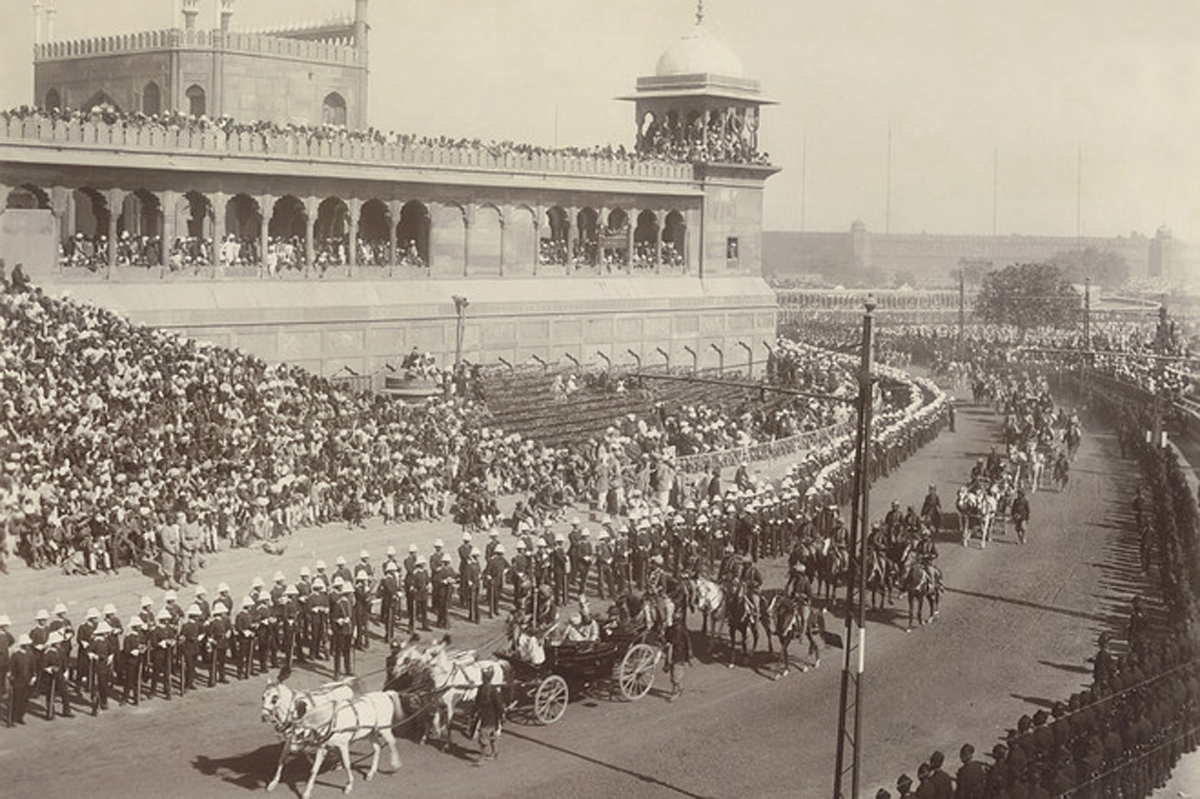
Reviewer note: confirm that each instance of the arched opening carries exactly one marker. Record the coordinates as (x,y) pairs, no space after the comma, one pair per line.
(373,238)
(27,197)
(331,233)
(286,231)
(587,246)
(645,237)
(333,109)
(614,244)
(243,230)
(53,100)
(197,100)
(101,100)
(151,99)
(487,239)
(88,248)
(412,235)
(553,247)
(674,240)
(193,230)
(520,241)
(672,125)
(139,240)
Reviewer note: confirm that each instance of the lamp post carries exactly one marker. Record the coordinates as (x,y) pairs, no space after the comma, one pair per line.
(460,308)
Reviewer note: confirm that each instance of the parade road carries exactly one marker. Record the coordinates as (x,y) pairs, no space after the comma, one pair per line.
(1016,627)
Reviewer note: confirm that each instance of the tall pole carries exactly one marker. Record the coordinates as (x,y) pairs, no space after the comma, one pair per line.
(962,308)
(1087,315)
(888,211)
(850,730)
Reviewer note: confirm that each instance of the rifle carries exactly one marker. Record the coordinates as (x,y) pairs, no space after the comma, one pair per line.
(92,683)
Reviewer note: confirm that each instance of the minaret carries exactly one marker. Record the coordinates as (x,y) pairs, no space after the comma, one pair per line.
(39,22)
(360,24)
(191,10)
(51,12)
(226,14)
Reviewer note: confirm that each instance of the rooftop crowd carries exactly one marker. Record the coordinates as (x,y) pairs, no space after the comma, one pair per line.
(717,149)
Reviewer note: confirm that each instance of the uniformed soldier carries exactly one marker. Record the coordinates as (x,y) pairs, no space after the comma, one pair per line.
(84,673)
(362,608)
(189,646)
(392,558)
(410,560)
(264,632)
(417,588)
(201,602)
(321,574)
(464,557)
(520,575)
(389,588)
(23,670)
(343,571)
(289,622)
(471,578)
(218,633)
(280,585)
(169,546)
(341,620)
(133,652)
(604,564)
(243,636)
(54,675)
(162,648)
(317,608)
(493,542)
(102,653)
(495,575)
(171,605)
(61,624)
(364,565)
(442,581)
(584,554)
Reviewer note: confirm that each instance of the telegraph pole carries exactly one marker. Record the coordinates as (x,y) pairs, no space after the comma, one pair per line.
(850,729)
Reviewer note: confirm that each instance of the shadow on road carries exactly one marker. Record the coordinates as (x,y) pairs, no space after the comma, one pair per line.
(645,778)
(1074,668)
(1025,603)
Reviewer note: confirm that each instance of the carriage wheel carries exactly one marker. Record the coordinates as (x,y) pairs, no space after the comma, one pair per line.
(635,671)
(550,700)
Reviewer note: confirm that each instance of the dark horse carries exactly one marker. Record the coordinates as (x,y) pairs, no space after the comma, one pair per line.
(922,581)
(743,617)
(791,619)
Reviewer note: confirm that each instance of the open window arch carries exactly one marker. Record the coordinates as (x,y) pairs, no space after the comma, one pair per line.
(333,109)
(53,99)
(151,99)
(197,100)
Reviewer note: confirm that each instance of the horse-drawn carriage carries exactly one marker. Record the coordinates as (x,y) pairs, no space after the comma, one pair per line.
(544,675)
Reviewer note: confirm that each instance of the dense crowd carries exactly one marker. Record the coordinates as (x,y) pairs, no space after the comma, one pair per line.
(689,150)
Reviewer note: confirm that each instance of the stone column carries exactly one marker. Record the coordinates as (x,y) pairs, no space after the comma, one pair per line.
(601,229)
(572,233)
(631,218)
(61,207)
(538,214)
(468,219)
(394,207)
(220,202)
(503,217)
(170,227)
(310,223)
(354,206)
(660,218)
(266,203)
(115,198)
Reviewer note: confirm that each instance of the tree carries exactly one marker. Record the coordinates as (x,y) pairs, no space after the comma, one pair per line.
(1027,296)
(1104,267)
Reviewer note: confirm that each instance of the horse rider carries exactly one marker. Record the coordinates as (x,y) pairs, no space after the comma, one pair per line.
(655,581)
(799,587)
(751,581)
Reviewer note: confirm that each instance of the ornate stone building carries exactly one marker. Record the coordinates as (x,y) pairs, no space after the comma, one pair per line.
(342,250)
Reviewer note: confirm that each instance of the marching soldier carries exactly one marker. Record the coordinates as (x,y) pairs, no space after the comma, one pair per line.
(133,652)
(494,576)
(340,621)
(218,633)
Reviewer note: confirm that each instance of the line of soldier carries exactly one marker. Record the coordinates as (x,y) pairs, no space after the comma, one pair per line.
(1120,738)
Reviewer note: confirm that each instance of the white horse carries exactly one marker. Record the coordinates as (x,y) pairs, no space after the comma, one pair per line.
(340,723)
(456,678)
(988,504)
(283,708)
(710,601)
(1037,469)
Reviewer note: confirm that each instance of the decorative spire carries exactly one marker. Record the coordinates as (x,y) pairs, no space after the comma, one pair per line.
(699,12)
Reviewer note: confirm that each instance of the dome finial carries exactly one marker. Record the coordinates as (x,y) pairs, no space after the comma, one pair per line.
(699,12)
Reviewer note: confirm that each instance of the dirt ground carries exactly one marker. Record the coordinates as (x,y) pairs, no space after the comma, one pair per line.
(1016,627)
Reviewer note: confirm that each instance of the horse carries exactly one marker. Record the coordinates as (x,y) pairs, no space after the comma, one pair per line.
(879,577)
(283,708)
(966,502)
(921,581)
(833,566)
(743,618)
(792,619)
(456,678)
(1072,438)
(709,599)
(339,723)
(1062,471)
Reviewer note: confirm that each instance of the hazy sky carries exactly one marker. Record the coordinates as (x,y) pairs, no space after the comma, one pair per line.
(957,80)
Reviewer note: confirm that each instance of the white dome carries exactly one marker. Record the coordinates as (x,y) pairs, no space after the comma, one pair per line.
(698,53)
